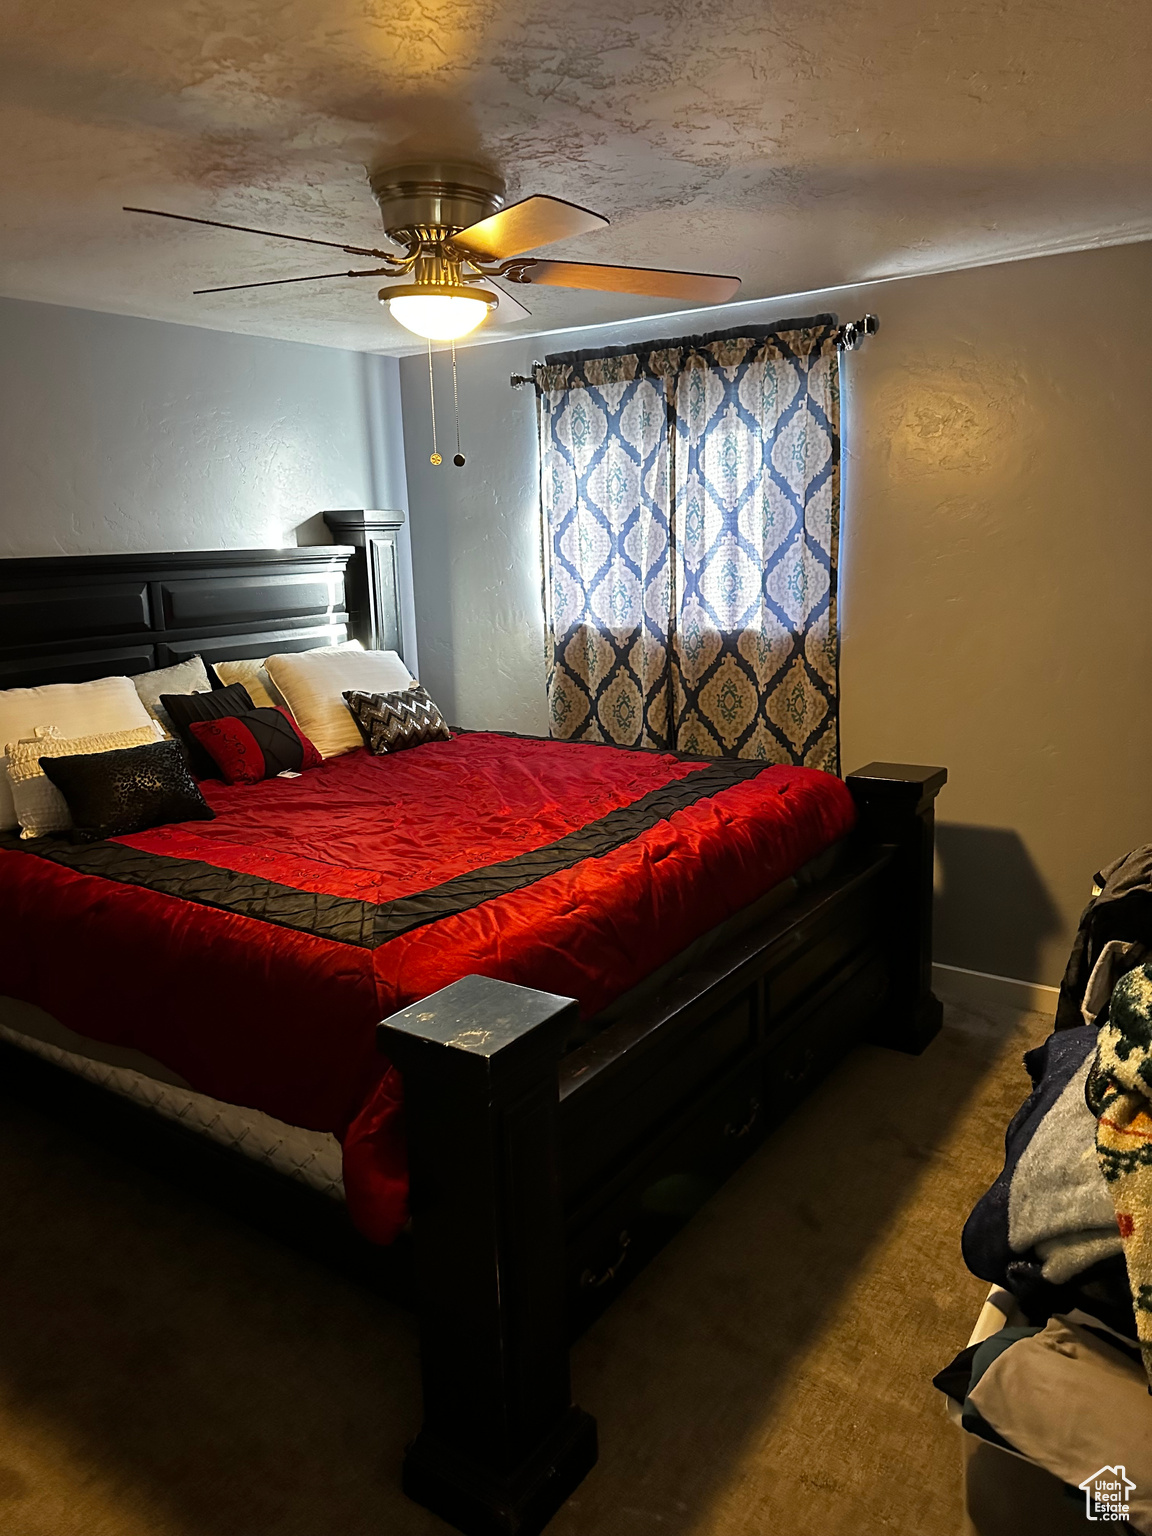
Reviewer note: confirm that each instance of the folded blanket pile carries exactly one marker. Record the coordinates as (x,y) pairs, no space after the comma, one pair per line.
(1046,1231)
(1119,1092)
(1068,1222)
(1066,1228)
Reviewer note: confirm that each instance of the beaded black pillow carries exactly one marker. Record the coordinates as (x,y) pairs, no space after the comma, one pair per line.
(111,794)
(390,722)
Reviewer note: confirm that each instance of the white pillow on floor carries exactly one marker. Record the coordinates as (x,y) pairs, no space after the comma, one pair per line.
(40,807)
(314,682)
(76,709)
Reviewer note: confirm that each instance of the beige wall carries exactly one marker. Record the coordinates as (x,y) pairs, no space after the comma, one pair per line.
(995,571)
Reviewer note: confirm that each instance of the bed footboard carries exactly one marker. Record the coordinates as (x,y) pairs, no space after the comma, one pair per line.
(502,1445)
(531,1171)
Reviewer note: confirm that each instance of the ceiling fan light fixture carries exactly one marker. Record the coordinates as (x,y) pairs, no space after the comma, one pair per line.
(440,312)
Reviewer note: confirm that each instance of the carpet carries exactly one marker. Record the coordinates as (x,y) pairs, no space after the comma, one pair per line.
(167,1371)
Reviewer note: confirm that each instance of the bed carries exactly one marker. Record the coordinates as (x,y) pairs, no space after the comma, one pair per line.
(600,984)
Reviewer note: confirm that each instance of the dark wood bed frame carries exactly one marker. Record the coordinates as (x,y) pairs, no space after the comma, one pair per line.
(546,1165)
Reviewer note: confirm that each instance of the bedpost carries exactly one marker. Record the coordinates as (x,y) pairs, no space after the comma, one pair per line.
(895,803)
(502,1445)
(373,578)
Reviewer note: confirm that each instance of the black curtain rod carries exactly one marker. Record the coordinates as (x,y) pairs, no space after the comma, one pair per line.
(850,336)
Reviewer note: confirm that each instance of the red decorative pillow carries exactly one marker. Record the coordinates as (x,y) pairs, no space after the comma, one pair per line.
(256,745)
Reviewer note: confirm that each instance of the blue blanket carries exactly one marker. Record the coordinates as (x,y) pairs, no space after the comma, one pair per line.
(1046,1229)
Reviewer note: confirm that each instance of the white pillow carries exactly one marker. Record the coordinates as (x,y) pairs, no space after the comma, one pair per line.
(313,682)
(40,807)
(254,676)
(76,709)
(185,677)
(252,672)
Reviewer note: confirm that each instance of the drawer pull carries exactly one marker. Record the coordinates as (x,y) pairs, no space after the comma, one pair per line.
(800,1068)
(736,1132)
(589,1281)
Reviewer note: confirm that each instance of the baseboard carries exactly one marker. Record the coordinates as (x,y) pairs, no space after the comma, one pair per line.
(970,989)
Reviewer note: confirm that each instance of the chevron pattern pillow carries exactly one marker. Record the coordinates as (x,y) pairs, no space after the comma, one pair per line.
(390,722)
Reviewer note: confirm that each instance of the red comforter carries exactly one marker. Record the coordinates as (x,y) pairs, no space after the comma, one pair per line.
(254,954)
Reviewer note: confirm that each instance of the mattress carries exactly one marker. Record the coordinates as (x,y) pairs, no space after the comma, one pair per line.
(252,955)
(310,1157)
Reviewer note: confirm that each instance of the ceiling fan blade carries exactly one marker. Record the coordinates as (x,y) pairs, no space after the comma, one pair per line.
(525,225)
(510,308)
(313,277)
(702,287)
(246,229)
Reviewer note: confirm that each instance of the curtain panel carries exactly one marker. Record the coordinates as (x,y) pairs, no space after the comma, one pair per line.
(690,493)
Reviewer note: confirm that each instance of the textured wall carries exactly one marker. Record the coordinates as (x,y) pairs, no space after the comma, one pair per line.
(997,544)
(475,539)
(121,434)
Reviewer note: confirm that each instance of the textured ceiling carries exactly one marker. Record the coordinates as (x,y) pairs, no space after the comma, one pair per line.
(801,145)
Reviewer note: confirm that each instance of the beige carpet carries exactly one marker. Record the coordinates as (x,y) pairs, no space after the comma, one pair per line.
(165,1371)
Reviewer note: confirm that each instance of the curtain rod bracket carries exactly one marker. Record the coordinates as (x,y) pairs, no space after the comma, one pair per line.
(853,332)
(518,380)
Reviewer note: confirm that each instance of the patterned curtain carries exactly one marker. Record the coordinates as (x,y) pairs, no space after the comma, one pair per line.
(691,502)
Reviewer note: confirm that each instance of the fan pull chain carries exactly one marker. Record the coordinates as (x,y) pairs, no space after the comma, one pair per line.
(459,459)
(434,456)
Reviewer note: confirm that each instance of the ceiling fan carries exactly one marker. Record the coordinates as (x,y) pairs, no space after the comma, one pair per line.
(454,233)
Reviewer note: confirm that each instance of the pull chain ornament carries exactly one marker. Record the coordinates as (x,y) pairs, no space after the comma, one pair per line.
(458,459)
(434,456)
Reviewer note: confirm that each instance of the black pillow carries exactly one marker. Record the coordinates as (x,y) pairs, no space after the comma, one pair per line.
(183,708)
(111,794)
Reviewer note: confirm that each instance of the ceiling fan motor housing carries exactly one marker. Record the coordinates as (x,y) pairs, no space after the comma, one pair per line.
(436,197)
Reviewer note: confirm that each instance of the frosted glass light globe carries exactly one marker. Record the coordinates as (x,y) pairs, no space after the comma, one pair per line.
(440,317)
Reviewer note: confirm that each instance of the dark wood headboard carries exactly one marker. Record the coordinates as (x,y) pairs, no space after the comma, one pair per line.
(69,618)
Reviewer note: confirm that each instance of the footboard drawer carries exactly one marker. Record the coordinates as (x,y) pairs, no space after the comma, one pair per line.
(635,1212)
(820,1036)
(604,1121)
(844,934)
